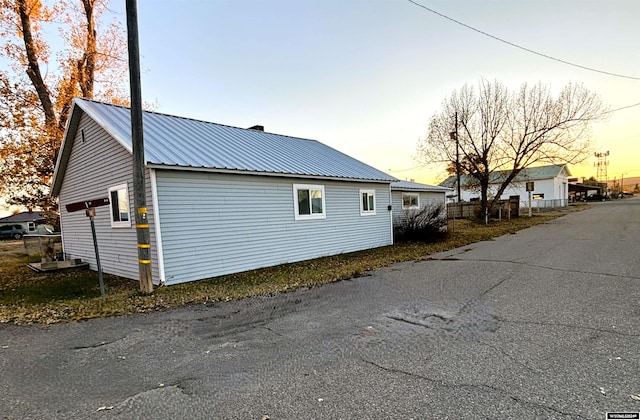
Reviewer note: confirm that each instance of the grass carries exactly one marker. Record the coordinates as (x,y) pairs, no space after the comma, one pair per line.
(30,297)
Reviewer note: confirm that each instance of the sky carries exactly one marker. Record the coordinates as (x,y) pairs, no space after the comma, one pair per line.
(365,76)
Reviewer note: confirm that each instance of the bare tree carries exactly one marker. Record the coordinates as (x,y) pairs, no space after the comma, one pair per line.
(502,130)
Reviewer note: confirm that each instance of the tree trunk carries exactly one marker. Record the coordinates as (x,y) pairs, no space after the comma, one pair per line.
(87,64)
(33,67)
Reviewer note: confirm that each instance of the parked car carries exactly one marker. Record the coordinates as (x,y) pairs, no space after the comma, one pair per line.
(597,197)
(12,231)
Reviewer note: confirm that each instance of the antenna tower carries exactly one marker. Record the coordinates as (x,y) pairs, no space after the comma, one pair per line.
(601,166)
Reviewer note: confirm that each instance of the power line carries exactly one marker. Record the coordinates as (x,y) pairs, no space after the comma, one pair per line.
(406,169)
(618,109)
(521,47)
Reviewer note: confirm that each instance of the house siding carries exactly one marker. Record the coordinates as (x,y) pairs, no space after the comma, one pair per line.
(556,188)
(95,165)
(424,199)
(215,224)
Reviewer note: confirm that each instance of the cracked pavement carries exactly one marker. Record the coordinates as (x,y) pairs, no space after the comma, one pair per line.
(544,323)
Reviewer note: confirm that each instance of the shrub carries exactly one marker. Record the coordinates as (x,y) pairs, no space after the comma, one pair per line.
(426,224)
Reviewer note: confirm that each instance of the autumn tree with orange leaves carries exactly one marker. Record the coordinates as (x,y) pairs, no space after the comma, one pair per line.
(37,88)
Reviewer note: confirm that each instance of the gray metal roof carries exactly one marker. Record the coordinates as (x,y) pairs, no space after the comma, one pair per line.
(414,186)
(187,143)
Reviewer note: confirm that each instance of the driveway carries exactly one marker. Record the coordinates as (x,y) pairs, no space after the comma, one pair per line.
(544,323)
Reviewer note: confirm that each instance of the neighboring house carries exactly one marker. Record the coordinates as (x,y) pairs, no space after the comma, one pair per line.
(407,196)
(220,199)
(551,186)
(31,221)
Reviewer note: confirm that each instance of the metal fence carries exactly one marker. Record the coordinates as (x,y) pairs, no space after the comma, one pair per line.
(545,204)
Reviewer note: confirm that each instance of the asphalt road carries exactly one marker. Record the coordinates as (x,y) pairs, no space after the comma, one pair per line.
(544,323)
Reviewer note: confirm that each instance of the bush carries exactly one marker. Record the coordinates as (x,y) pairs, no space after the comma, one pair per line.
(426,224)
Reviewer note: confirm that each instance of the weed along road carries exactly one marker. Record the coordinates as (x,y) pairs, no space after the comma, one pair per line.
(544,323)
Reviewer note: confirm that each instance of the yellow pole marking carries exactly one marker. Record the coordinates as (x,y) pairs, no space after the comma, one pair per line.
(144,261)
(142,210)
(142,226)
(146,246)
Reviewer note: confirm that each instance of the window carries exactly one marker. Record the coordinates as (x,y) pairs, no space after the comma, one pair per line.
(119,197)
(308,201)
(538,196)
(367,202)
(410,201)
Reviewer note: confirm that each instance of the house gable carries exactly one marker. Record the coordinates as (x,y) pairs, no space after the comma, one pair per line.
(95,163)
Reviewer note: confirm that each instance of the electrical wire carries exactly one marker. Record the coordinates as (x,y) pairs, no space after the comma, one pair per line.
(406,169)
(521,47)
(618,109)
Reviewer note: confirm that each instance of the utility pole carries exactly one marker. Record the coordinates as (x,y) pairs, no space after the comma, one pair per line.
(454,136)
(137,144)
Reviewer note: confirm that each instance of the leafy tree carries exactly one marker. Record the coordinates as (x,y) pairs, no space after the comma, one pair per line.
(503,130)
(37,91)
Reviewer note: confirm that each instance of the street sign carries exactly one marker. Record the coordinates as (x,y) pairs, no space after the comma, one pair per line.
(530,186)
(83,205)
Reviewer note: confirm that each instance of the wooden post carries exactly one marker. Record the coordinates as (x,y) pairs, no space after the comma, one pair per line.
(137,143)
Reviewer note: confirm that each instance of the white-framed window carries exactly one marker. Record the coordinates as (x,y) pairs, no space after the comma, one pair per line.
(410,200)
(119,199)
(308,202)
(367,202)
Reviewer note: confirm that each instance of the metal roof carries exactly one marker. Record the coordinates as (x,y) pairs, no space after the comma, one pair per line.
(414,186)
(181,142)
(526,174)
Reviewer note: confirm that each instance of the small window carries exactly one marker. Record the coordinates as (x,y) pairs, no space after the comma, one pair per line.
(119,197)
(410,201)
(308,202)
(367,202)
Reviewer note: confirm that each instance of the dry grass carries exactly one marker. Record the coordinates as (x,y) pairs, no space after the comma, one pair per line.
(30,297)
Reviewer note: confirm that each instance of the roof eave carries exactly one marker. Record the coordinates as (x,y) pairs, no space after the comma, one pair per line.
(263,173)
(65,149)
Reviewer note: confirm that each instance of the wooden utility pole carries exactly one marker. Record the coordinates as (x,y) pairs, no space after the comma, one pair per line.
(137,144)
(454,136)
(458,166)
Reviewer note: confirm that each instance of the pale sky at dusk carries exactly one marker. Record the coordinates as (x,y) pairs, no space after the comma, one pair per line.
(364,76)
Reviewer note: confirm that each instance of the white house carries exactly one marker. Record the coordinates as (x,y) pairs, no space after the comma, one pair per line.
(407,196)
(551,186)
(220,199)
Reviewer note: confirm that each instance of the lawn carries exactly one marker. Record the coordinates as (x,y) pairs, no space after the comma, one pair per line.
(30,297)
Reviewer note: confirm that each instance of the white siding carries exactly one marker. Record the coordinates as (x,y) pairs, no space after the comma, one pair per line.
(425,198)
(215,224)
(95,165)
(553,189)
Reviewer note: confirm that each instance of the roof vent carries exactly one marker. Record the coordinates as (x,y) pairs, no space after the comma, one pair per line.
(257,128)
